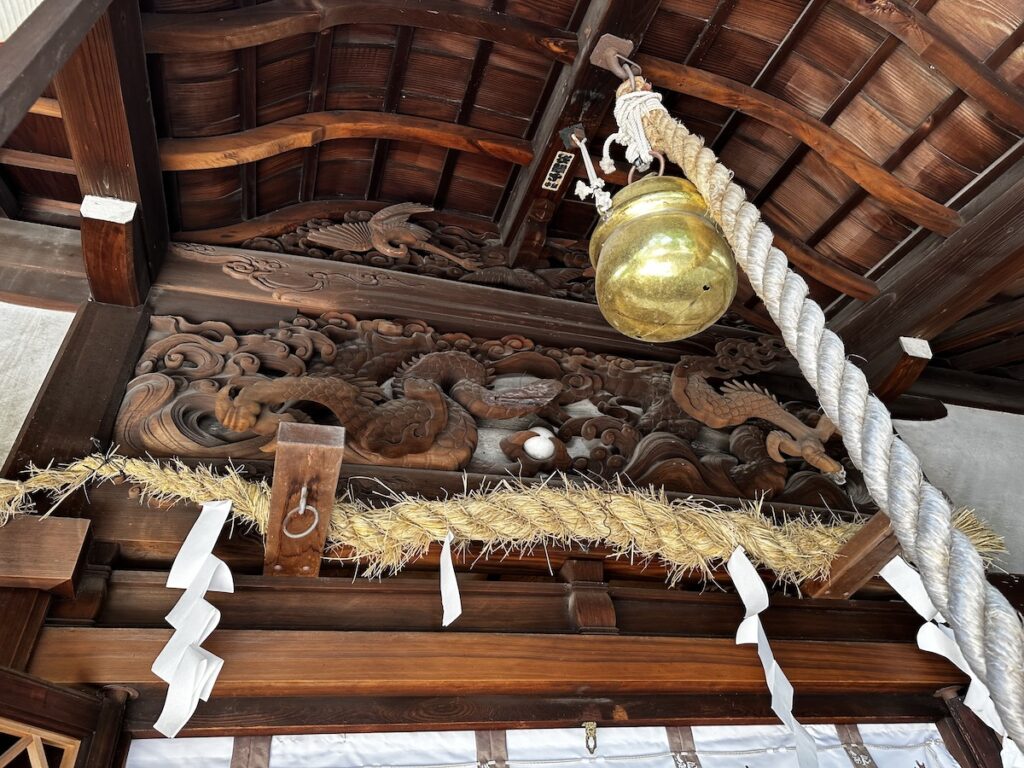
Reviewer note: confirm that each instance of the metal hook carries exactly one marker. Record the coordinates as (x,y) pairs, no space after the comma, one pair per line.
(624,68)
(661,167)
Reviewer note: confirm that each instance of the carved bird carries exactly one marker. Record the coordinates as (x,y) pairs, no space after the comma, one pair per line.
(388,231)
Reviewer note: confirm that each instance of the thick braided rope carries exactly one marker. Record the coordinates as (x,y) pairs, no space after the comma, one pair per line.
(985,625)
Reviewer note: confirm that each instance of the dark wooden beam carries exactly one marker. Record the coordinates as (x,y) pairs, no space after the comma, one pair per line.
(796,33)
(859,561)
(308,130)
(9,205)
(709,34)
(279,19)
(915,139)
(248,77)
(991,322)
(97,357)
(926,293)
(41,704)
(21,541)
(392,98)
(41,266)
(322,55)
(583,95)
(969,740)
(973,390)
(22,613)
(941,50)
(345,714)
(990,356)
(31,56)
(115,257)
(104,95)
(840,152)
(303,663)
(38,161)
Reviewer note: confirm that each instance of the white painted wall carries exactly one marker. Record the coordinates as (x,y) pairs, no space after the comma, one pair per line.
(12,13)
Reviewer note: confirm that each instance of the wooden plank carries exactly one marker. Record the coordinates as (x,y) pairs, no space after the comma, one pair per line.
(34,52)
(306,467)
(994,321)
(990,356)
(115,258)
(229,30)
(941,50)
(22,613)
(46,107)
(106,740)
(16,750)
(927,292)
(26,537)
(582,95)
(835,148)
(308,130)
(21,159)
(823,269)
(41,705)
(251,752)
(319,82)
(268,663)
(969,740)
(973,390)
(281,715)
(41,266)
(709,34)
(97,357)
(860,560)
(392,99)
(104,96)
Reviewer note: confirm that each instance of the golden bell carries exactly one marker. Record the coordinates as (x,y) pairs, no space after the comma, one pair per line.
(664,271)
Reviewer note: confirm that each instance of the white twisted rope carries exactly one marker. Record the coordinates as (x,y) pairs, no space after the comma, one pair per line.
(986,627)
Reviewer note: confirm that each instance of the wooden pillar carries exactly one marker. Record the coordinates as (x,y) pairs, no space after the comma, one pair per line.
(860,559)
(968,739)
(590,606)
(306,469)
(114,254)
(104,97)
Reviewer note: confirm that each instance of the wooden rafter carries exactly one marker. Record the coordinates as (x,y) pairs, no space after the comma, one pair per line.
(928,291)
(31,56)
(279,19)
(582,95)
(835,148)
(915,139)
(796,33)
(311,129)
(247,89)
(709,34)
(104,97)
(992,355)
(22,159)
(392,96)
(317,103)
(995,321)
(941,50)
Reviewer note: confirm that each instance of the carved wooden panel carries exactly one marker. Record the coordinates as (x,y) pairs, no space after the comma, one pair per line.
(410,396)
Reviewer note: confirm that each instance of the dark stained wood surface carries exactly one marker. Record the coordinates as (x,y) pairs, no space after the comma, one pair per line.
(22,613)
(78,400)
(24,539)
(114,253)
(279,19)
(994,321)
(41,266)
(860,560)
(296,663)
(312,129)
(108,120)
(840,152)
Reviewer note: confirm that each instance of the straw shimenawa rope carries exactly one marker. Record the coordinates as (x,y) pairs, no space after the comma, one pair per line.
(686,535)
(986,627)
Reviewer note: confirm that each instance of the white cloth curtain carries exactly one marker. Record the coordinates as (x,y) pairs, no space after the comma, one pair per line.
(891,746)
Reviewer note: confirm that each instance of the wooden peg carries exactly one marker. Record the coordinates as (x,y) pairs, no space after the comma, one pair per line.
(859,560)
(306,470)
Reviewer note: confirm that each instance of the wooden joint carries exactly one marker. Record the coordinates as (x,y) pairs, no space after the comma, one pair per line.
(306,471)
(591,609)
(860,560)
(114,251)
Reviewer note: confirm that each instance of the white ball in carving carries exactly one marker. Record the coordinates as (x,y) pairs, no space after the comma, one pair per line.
(541,447)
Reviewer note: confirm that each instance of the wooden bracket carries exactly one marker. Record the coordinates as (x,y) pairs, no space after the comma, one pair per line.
(590,606)
(859,560)
(306,470)
(114,253)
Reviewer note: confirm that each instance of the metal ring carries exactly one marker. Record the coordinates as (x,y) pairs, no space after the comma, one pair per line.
(295,512)
(661,167)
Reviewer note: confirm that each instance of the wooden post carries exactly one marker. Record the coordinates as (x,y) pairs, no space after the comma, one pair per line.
(115,258)
(590,606)
(914,356)
(969,740)
(306,470)
(860,559)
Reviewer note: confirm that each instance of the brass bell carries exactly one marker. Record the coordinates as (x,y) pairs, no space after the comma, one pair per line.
(664,270)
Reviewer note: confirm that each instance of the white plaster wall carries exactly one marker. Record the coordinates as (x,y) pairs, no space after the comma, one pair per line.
(12,13)
(29,340)
(977,458)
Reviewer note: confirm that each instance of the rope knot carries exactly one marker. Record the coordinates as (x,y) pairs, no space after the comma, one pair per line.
(630,108)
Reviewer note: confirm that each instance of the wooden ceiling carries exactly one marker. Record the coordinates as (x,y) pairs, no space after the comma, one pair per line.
(879,137)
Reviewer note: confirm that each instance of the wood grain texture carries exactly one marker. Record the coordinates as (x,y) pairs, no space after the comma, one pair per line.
(994,321)
(860,560)
(823,269)
(345,714)
(115,259)
(41,266)
(41,704)
(97,357)
(24,538)
(22,159)
(279,19)
(309,130)
(306,467)
(993,355)
(31,56)
(104,96)
(265,663)
(583,94)
(941,50)
(840,152)
(22,613)
(930,290)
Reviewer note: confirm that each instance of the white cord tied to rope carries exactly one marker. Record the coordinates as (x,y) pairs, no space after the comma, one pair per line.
(986,627)
(630,108)
(595,187)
